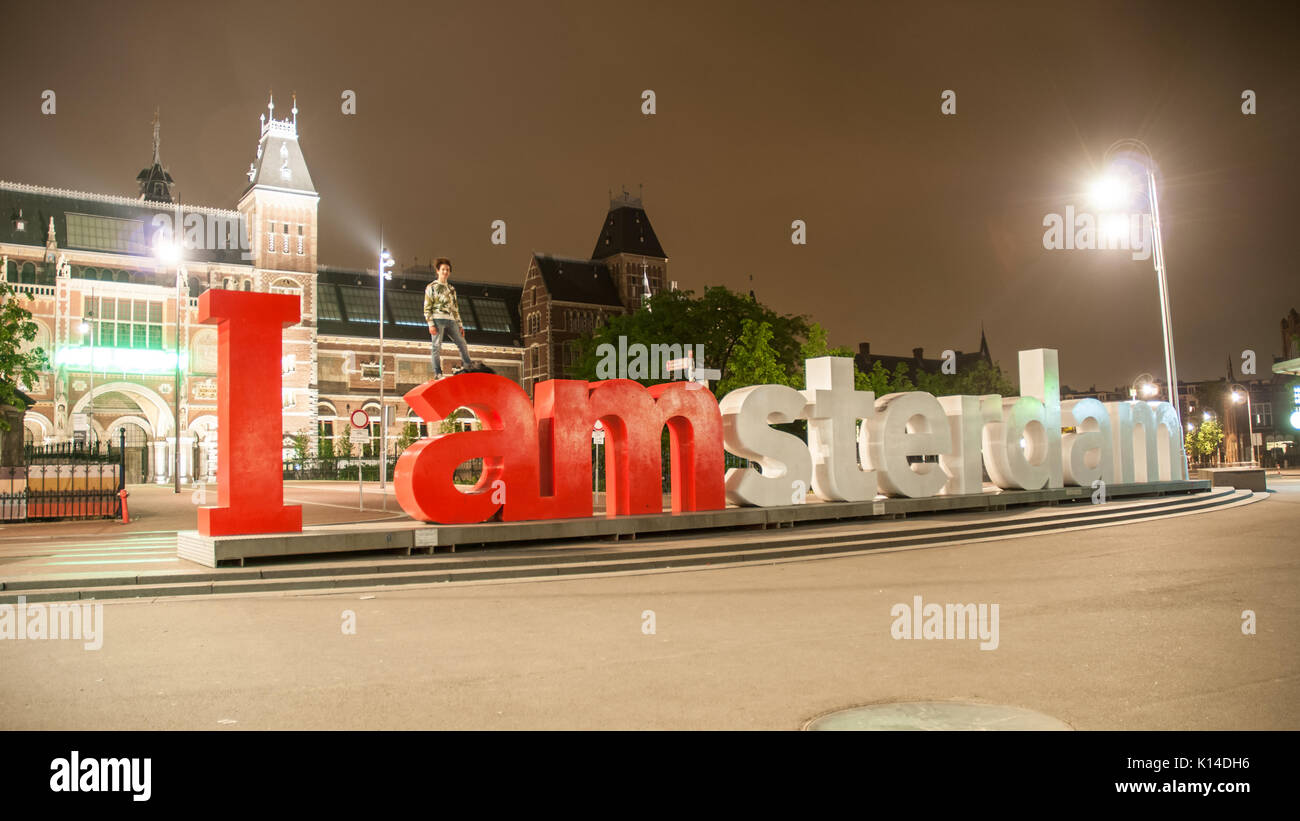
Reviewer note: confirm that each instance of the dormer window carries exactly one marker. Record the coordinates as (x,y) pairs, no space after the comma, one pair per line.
(20,224)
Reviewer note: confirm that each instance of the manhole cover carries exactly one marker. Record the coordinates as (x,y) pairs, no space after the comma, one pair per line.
(936,715)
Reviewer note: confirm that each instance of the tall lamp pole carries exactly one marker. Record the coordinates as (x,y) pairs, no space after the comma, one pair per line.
(385,272)
(1158,258)
(169,251)
(1237,392)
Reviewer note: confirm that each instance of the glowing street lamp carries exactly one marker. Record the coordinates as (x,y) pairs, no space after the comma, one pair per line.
(1145,384)
(1112,188)
(1241,394)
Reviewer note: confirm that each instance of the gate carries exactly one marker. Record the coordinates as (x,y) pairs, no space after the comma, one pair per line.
(135,452)
(70,480)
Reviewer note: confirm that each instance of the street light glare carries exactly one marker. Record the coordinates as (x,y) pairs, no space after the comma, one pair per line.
(1111,191)
(1206,416)
(1236,396)
(167,252)
(1148,389)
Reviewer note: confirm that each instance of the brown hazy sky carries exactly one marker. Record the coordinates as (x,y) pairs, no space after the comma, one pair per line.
(920,226)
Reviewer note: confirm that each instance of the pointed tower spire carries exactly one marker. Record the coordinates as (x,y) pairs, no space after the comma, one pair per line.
(984,345)
(155,183)
(51,243)
(295,110)
(156,141)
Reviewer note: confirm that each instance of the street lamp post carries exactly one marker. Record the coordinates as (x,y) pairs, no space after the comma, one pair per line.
(385,272)
(88,327)
(1250,418)
(1158,259)
(176,385)
(1144,383)
(169,252)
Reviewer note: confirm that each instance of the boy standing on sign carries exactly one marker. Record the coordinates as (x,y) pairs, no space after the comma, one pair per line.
(442,311)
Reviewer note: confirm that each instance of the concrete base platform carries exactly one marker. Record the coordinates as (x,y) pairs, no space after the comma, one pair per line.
(415,537)
(1240,478)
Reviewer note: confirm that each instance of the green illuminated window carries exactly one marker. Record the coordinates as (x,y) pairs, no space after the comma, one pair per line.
(126,323)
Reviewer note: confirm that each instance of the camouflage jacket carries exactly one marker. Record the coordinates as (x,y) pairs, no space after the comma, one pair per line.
(440,302)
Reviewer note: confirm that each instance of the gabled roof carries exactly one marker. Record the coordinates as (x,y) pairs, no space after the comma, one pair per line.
(627,231)
(577,280)
(155,184)
(280,163)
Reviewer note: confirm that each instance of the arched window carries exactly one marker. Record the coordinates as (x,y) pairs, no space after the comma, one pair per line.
(326,423)
(248,285)
(285,285)
(29,273)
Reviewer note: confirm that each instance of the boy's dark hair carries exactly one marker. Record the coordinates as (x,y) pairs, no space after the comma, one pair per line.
(440,261)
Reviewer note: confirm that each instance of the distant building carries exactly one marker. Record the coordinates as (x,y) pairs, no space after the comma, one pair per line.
(110,307)
(564,297)
(917,363)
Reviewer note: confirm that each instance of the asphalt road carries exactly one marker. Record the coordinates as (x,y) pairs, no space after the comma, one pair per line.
(1130,627)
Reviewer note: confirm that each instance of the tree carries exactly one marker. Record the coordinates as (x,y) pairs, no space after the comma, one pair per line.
(715,320)
(881,382)
(301,444)
(977,381)
(1205,440)
(754,361)
(19,368)
(817,345)
(343,443)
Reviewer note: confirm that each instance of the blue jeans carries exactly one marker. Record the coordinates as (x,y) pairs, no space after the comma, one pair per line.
(446,329)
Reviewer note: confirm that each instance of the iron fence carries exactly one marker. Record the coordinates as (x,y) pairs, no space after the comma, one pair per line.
(70,480)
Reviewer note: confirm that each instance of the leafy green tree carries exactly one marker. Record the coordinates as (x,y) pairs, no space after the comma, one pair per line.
(715,320)
(1205,439)
(817,345)
(301,444)
(18,366)
(977,381)
(754,360)
(881,381)
(343,443)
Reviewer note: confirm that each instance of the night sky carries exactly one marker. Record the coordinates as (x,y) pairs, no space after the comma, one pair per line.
(920,226)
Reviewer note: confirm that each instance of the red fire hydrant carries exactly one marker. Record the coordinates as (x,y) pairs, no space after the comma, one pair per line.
(122,494)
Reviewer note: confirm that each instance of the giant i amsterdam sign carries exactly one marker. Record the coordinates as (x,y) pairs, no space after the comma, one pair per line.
(537,455)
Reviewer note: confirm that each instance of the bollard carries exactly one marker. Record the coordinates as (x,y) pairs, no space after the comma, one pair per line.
(122,494)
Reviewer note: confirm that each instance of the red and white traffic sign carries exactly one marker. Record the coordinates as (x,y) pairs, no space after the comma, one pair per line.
(360,419)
